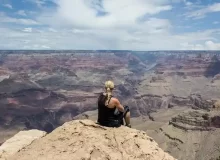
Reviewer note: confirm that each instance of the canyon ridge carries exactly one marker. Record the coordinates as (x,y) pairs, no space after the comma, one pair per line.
(174,95)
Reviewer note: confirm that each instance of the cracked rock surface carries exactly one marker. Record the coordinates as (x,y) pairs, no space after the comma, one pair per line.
(86,140)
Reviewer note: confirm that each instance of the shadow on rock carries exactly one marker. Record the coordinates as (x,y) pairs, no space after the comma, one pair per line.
(213,68)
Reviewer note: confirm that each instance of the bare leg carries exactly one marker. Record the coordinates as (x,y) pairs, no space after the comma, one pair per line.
(127,119)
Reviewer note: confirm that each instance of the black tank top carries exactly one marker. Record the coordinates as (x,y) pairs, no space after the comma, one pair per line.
(106,116)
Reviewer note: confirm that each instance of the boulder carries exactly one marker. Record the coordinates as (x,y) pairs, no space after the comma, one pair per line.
(19,141)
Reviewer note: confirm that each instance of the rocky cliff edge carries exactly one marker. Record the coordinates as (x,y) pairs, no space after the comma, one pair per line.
(86,140)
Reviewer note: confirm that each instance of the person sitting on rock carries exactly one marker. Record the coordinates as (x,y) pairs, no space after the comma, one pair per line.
(110,112)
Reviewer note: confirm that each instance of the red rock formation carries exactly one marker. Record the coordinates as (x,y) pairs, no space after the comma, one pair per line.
(48,62)
(188,66)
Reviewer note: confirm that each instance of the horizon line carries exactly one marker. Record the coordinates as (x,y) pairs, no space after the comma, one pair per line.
(107,50)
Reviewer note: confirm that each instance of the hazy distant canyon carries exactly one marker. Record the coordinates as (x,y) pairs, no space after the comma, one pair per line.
(172,94)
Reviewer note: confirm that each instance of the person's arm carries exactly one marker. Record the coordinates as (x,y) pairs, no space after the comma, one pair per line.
(118,105)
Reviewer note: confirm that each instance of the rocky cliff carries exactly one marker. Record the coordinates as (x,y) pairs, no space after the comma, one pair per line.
(190,134)
(84,139)
(189,65)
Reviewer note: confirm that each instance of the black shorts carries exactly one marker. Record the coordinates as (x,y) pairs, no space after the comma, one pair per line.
(120,115)
(126,110)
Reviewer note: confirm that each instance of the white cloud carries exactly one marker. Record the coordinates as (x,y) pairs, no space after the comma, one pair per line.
(21,13)
(45,47)
(5,19)
(187,3)
(106,24)
(64,40)
(202,35)
(8,6)
(36,46)
(216,22)
(78,31)
(26,41)
(52,30)
(155,25)
(39,3)
(187,46)
(123,26)
(201,13)
(123,13)
(19,21)
(208,45)
(27,30)
(212,46)
(106,39)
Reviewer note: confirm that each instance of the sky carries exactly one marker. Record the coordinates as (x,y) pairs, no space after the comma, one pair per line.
(110,24)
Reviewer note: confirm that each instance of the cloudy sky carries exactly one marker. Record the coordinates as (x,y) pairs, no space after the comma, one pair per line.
(110,24)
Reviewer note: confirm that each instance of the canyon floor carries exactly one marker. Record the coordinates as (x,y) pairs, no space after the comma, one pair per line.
(172,96)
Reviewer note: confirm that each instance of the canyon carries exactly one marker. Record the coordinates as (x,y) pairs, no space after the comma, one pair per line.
(171,94)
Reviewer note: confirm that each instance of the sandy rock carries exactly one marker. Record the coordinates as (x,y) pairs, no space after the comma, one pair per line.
(86,140)
(19,141)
